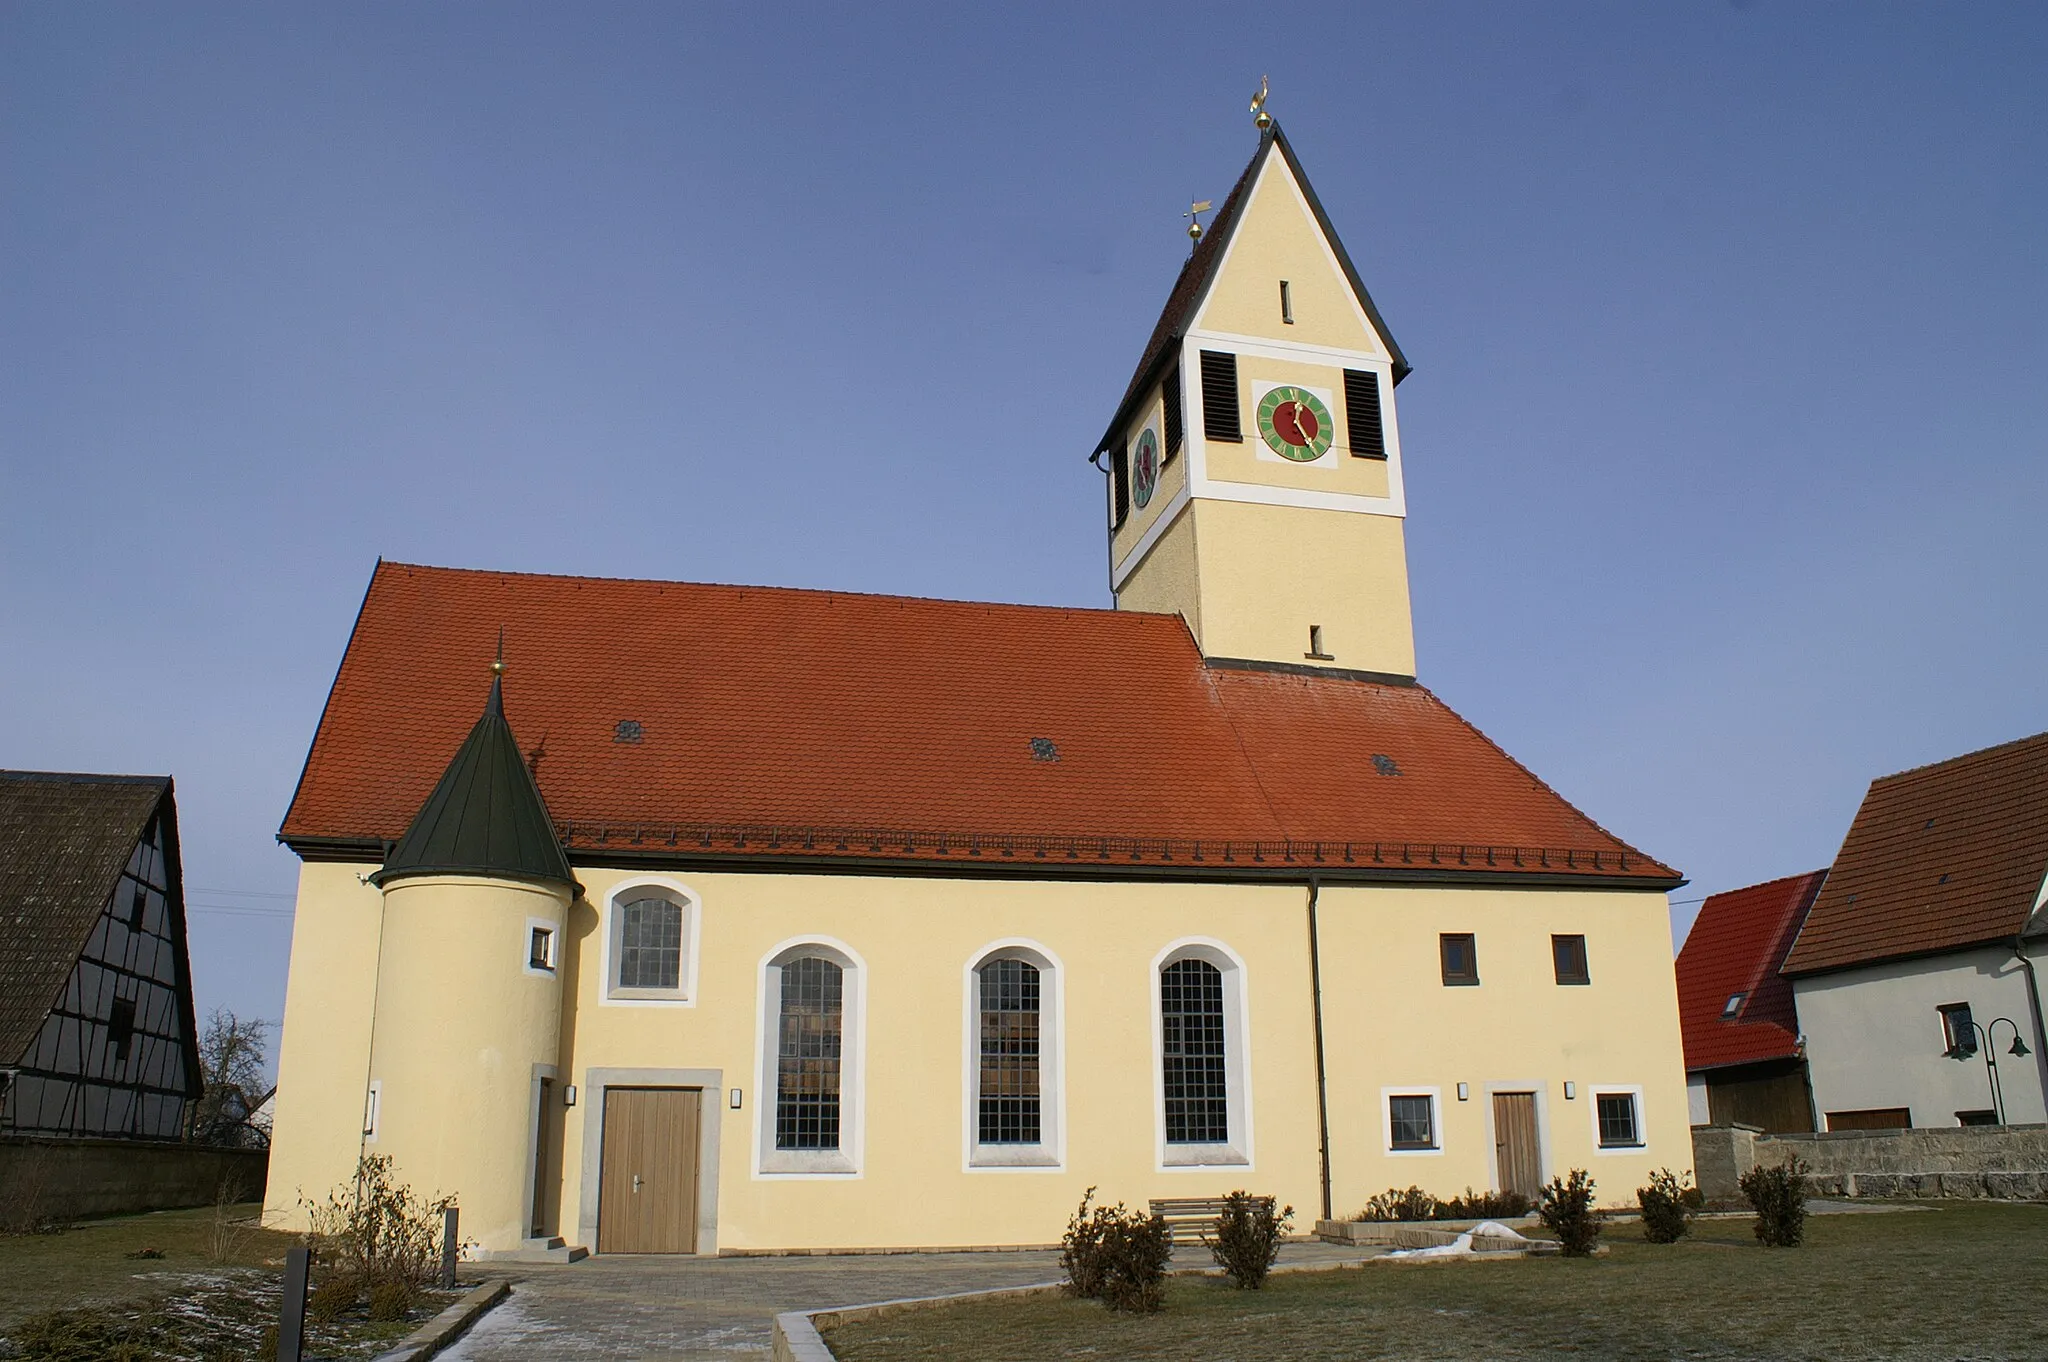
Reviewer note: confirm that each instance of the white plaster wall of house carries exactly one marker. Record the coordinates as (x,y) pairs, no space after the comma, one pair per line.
(1696,1099)
(1874,1036)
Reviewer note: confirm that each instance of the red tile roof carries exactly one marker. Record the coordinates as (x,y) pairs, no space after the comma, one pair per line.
(766,721)
(1939,858)
(1735,946)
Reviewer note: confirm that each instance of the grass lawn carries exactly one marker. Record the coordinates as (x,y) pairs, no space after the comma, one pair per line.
(1966,1280)
(210,1297)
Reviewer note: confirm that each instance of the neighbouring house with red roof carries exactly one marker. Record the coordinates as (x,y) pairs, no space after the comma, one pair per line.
(1916,975)
(722,918)
(1744,1060)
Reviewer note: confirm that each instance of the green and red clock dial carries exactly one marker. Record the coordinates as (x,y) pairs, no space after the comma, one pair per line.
(1145,468)
(1295,424)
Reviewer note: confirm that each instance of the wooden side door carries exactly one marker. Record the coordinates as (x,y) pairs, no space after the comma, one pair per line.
(1515,1152)
(647,1176)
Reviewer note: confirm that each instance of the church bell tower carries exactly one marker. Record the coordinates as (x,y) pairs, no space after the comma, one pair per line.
(1255,460)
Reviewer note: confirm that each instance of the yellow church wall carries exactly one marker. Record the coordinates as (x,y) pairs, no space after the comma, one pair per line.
(1291,567)
(1164,582)
(1390,1022)
(1336,471)
(323,1053)
(1277,238)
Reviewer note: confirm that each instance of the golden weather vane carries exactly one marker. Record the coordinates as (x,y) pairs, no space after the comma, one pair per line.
(1259,114)
(1193,215)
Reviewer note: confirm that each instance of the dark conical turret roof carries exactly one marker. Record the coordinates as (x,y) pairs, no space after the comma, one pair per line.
(485,817)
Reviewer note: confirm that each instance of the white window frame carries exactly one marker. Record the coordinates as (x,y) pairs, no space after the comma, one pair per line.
(1436,1120)
(554,957)
(1634,1091)
(799,1164)
(373,1110)
(612,925)
(1049,1155)
(1237,1152)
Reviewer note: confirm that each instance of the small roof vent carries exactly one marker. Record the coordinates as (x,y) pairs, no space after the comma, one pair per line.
(1385,764)
(1044,749)
(1732,1006)
(627,730)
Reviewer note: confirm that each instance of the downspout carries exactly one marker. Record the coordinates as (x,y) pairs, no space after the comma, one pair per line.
(1315,980)
(2019,953)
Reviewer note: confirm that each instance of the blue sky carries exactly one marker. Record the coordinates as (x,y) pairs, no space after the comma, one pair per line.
(1724,446)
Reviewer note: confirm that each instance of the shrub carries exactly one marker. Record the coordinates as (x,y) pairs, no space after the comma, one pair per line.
(392,1300)
(1567,1211)
(1668,1207)
(332,1299)
(1395,1204)
(379,1229)
(1483,1206)
(1247,1238)
(1778,1194)
(80,1336)
(1116,1256)
(1134,1252)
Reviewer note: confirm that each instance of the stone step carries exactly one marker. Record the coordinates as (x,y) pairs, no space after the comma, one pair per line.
(552,1250)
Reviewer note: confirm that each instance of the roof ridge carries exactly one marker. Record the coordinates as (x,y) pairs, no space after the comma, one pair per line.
(82,777)
(1959,759)
(826,592)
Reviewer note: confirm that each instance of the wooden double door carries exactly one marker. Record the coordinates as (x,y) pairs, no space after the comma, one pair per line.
(1517,1156)
(647,1181)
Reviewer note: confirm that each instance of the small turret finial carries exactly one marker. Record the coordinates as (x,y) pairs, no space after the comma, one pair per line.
(1193,215)
(1259,114)
(498,663)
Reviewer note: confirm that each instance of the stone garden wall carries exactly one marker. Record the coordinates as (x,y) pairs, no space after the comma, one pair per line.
(43,1180)
(2006,1162)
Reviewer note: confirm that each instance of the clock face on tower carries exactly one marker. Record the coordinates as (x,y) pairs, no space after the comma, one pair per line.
(1295,424)
(1145,468)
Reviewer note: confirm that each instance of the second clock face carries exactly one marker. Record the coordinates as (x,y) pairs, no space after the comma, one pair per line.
(1295,424)
(1145,468)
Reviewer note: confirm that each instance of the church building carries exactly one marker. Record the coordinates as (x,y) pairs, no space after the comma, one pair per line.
(727,919)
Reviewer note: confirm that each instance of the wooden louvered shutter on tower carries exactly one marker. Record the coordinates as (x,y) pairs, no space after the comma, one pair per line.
(1219,397)
(1120,484)
(1362,415)
(1169,398)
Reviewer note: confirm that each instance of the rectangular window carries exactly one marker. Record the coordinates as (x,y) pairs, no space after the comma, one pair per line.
(1119,486)
(1362,425)
(1219,397)
(1617,1119)
(138,907)
(1286,303)
(1977,1118)
(1460,957)
(121,1026)
(540,949)
(1410,1122)
(1568,957)
(1958,1029)
(1176,419)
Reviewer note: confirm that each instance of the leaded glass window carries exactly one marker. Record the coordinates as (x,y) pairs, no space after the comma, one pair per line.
(1009,1052)
(650,944)
(1409,1119)
(1191,1026)
(1617,1111)
(807,1066)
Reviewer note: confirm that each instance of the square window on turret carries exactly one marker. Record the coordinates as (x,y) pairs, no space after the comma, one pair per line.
(540,949)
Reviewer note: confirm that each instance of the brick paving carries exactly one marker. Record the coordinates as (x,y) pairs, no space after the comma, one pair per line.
(660,1309)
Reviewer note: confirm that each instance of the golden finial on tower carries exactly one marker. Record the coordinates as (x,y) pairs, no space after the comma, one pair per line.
(498,662)
(1195,209)
(1259,114)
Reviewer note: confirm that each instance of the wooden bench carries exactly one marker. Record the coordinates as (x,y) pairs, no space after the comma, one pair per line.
(1190,1218)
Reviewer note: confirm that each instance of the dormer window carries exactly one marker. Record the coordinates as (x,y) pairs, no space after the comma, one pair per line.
(1732,1006)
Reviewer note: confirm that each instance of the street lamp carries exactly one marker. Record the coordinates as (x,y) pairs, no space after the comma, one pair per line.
(2019,1047)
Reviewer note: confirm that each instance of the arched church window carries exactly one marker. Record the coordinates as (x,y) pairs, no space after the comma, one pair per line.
(808,1048)
(1009,1087)
(1191,1024)
(650,944)
(1204,1100)
(811,1013)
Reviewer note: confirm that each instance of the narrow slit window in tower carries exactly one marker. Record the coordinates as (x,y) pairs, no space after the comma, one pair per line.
(1286,304)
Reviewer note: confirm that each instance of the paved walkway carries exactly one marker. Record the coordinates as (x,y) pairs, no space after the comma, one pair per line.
(658,1309)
